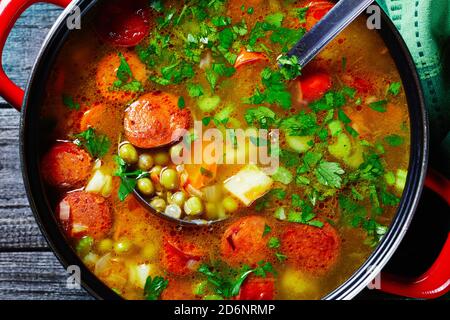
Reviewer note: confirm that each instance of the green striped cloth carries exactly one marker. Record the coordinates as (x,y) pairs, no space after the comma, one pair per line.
(425,26)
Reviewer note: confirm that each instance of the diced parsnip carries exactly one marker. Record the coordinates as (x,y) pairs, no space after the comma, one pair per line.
(296,285)
(208,104)
(138,273)
(90,259)
(100,183)
(342,147)
(299,144)
(335,127)
(280,213)
(249,184)
(356,158)
(224,114)
(389,177)
(400,180)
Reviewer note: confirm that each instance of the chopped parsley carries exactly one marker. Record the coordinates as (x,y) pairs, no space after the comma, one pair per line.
(379,106)
(154,287)
(394,140)
(97,145)
(128,179)
(267,230)
(273,243)
(227,282)
(181,103)
(125,80)
(70,103)
(329,174)
(395,88)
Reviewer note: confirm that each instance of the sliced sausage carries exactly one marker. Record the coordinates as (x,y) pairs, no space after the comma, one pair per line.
(257,288)
(180,257)
(66,165)
(85,214)
(104,118)
(155,120)
(244,243)
(123,23)
(107,74)
(311,249)
(178,290)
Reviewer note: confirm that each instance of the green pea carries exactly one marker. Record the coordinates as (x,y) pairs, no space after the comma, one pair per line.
(145,162)
(169,179)
(161,158)
(193,206)
(175,151)
(145,186)
(128,153)
(156,171)
(178,198)
(229,204)
(122,246)
(84,246)
(105,245)
(158,204)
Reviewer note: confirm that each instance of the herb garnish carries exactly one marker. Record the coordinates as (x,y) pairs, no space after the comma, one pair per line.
(97,145)
(128,179)
(154,287)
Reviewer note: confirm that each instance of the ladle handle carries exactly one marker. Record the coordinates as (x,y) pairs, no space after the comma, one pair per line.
(339,17)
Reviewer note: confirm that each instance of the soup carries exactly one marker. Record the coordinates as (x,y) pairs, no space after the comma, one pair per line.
(124,149)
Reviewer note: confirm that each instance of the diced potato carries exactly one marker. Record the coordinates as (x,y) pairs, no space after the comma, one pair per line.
(100,183)
(138,273)
(296,286)
(249,184)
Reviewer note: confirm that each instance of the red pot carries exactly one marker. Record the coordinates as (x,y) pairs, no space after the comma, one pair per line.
(435,282)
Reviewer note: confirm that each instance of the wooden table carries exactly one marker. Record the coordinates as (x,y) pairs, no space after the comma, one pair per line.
(28,269)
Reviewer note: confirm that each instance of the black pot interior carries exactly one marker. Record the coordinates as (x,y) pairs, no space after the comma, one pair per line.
(30,135)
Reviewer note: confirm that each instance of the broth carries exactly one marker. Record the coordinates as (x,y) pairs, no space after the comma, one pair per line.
(318,228)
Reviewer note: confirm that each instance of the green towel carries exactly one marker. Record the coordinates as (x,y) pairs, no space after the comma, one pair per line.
(425,27)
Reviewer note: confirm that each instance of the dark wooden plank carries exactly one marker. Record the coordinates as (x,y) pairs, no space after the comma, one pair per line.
(35,276)
(18,228)
(25,40)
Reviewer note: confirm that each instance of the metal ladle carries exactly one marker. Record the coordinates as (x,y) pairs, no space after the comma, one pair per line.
(336,20)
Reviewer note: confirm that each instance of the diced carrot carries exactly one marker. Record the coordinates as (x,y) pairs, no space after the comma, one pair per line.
(256,288)
(317,10)
(247,57)
(200,175)
(314,86)
(123,23)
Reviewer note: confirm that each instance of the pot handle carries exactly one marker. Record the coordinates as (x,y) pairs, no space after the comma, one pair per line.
(435,282)
(10,11)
